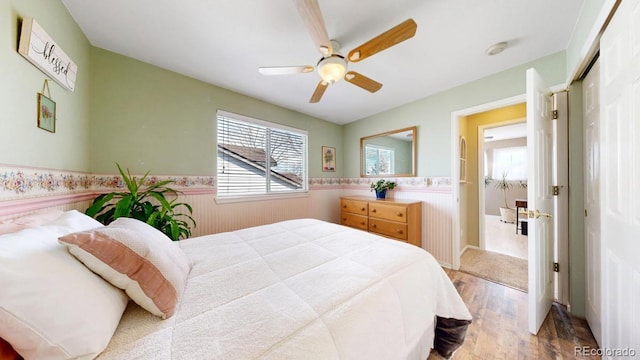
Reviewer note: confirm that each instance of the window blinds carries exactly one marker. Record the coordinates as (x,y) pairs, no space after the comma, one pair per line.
(258,158)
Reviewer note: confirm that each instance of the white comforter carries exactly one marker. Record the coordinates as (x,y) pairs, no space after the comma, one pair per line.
(299,289)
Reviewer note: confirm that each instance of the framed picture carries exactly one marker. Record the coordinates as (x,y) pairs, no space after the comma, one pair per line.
(328,158)
(46,113)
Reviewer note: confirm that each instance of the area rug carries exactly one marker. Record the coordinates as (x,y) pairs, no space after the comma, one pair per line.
(499,268)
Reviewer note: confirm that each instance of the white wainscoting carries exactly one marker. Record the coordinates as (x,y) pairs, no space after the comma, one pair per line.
(437,226)
(33,207)
(324,204)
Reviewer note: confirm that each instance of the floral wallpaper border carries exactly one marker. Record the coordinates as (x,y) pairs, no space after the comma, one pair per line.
(416,182)
(22,182)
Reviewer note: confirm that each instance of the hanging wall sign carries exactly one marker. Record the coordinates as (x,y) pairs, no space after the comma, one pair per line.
(40,49)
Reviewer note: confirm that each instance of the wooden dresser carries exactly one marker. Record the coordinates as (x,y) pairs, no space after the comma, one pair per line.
(396,219)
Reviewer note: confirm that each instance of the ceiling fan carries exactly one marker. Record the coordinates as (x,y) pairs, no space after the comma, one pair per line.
(332,66)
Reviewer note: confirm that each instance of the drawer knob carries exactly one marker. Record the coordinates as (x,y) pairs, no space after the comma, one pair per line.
(363,209)
(399,231)
(399,214)
(373,210)
(361,222)
(344,219)
(373,225)
(344,206)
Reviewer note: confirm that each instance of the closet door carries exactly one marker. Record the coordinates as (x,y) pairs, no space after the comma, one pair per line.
(620,178)
(591,133)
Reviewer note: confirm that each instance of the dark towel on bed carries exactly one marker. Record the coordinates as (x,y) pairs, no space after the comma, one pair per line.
(450,335)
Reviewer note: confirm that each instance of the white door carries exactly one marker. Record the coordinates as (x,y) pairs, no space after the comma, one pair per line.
(620,180)
(591,133)
(540,200)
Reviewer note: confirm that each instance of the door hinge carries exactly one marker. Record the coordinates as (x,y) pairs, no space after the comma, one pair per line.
(556,190)
(556,267)
(554,115)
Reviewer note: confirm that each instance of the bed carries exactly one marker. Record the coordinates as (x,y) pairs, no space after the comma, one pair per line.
(298,289)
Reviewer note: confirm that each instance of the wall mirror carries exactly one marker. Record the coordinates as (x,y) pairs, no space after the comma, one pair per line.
(392,153)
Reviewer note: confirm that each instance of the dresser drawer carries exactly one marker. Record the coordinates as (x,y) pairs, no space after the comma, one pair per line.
(388,228)
(354,220)
(354,206)
(388,212)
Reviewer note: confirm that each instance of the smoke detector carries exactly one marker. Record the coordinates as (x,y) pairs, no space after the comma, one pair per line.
(496,49)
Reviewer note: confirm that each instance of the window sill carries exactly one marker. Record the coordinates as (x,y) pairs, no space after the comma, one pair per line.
(261,197)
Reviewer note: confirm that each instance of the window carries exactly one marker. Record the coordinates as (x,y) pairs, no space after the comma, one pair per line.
(511,161)
(258,158)
(379,160)
(463,159)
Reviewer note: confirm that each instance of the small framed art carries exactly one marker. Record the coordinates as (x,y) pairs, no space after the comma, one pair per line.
(46,113)
(328,158)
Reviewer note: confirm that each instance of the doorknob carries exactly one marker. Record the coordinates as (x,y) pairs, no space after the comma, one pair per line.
(537,214)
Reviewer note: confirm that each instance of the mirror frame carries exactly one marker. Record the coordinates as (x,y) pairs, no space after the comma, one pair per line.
(413,129)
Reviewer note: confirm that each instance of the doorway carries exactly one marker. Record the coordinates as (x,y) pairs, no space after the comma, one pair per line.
(494,174)
(463,200)
(461,230)
(503,151)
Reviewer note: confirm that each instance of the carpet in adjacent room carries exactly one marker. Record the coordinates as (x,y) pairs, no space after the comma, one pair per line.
(503,269)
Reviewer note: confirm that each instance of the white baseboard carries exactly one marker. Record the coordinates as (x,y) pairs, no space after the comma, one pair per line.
(468,247)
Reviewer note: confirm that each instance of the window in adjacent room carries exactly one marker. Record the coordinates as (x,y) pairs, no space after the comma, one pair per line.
(256,157)
(511,161)
(463,159)
(379,160)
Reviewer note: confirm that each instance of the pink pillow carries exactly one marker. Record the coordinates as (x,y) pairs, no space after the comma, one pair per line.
(137,258)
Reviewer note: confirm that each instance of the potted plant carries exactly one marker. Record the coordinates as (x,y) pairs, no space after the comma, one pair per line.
(381,186)
(145,202)
(487,181)
(507,214)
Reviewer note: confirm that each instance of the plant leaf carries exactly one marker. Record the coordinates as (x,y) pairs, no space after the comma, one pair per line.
(98,204)
(123,207)
(128,180)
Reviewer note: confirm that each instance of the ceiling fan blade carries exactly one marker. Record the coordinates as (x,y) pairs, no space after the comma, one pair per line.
(317,94)
(285,70)
(387,39)
(362,81)
(310,12)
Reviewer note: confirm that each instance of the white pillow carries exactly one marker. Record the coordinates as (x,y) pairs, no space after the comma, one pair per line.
(138,258)
(51,306)
(40,217)
(30,220)
(72,221)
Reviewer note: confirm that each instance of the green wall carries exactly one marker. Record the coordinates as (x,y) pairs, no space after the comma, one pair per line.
(432,115)
(590,18)
(21,141)
(150,119)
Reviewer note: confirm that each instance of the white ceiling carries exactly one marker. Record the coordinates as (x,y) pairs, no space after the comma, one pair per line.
(223,42)
(506,132)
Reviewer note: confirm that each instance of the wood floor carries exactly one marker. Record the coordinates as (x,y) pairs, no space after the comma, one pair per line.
(499,328)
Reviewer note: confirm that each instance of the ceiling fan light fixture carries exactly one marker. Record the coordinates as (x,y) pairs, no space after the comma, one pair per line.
(332,68)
